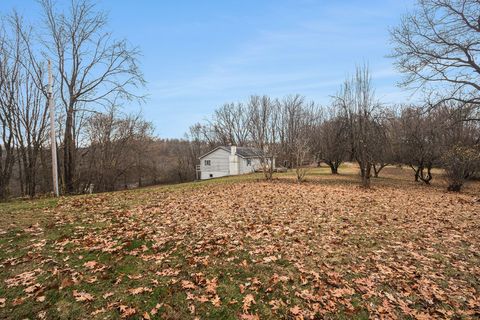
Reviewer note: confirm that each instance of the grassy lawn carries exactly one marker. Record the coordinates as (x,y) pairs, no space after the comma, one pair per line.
(243,248)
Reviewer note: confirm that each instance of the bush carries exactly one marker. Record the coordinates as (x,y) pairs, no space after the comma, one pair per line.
(460,163)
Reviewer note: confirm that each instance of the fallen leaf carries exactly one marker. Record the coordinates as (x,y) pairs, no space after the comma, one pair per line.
(82,296)
(66,282)
(139,290)
(91,279)
(295,310)
(188,285)
(154,311)
(18,301)
(90,264)
(248,300)
(216,301)
(98,311)
(126,311)
(212,286)
(202,299)
(276,304)
(32,288)
(339,292)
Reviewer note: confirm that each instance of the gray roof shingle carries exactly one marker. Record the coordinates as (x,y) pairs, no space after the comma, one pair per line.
(247,152)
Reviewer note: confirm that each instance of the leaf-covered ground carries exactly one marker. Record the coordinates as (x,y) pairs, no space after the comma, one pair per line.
(241,248)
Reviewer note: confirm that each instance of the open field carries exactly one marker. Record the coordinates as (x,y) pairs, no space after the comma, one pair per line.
(243,248)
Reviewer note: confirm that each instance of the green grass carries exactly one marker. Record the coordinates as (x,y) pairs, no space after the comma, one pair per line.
(16,206)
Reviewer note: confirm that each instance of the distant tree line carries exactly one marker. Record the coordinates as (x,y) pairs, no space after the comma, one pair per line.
(354,127)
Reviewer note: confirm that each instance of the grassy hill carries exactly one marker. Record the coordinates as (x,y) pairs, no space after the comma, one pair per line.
(240,247)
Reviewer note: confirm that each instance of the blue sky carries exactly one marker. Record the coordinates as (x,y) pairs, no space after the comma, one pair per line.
(198,55)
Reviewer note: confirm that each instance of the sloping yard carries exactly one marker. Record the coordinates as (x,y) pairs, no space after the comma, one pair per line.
(244,248)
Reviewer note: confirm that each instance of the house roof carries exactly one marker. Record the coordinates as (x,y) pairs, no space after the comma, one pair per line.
(244,152)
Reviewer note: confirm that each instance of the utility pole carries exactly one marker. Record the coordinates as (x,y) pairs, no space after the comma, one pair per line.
(53,144)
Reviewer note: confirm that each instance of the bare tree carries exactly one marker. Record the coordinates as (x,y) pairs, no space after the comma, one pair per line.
(93,69)
(437,44)
(357,100)
(30,113)
(185,160)
(199,142)
(204,134)
(116,143)
(383,140)
(264,130)
(230,124)
(332,139)
(301,148)
(420,141)
(459,144)
(456,131)
(301,123)
(30,127)
(10,73)
(292,115)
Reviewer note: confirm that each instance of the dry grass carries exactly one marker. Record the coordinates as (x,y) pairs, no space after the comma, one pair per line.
(244,248)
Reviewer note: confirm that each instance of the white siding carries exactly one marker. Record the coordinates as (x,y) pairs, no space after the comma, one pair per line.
(219,164)
(223,164)
(255,164)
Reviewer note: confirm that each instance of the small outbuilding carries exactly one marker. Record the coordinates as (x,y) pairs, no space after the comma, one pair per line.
(229,161)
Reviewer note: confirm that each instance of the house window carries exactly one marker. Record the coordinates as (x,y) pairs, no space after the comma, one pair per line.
(207,162)
(249,162)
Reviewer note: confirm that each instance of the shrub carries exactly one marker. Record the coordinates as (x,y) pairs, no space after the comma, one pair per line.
(460,163)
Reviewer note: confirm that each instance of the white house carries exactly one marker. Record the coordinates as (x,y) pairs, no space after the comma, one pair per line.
(229,161)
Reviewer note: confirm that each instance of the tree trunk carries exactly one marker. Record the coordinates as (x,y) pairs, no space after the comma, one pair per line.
(333,167)
(377,169)
(29,157)
(417,172)
(7,161)
(366,175)
(426,177)
(32,178)
(6,174)
(362,170)
(68,153)
(20,173)
(3,190)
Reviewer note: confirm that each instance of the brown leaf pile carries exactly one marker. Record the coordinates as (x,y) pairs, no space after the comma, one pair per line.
(310,251)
